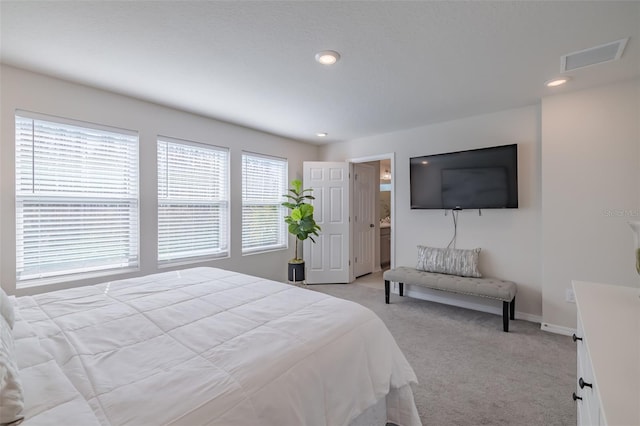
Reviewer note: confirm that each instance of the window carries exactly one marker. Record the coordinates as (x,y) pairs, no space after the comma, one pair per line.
(76,197)
(193,201)
(264,182)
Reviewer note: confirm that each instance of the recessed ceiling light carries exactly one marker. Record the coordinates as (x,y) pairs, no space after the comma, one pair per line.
(322,135)
(327,57)
(557,82)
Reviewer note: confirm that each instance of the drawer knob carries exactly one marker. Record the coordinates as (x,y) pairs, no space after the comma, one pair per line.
(576,338)
(582,384)
(576,397)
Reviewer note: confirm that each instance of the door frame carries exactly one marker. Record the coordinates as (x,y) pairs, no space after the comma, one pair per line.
(392,157)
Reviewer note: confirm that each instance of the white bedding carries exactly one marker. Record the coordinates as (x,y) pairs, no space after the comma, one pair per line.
(205,346)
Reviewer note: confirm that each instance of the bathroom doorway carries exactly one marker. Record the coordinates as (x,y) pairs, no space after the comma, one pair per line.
(383,207)
(385,213)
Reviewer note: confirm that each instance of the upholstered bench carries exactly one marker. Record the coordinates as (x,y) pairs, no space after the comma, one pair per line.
(483,287)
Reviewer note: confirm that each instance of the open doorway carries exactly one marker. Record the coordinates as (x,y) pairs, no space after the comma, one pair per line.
(364,227)
(332,258)
(383,210)
(385,213)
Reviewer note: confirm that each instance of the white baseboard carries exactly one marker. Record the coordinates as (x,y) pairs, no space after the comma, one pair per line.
(558,329)
(528,317)
(463,301)
(470,302)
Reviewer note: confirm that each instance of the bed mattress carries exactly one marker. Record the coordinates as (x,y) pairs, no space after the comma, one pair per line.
(205,346)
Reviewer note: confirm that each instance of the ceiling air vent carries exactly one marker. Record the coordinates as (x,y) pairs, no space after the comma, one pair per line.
(593,56)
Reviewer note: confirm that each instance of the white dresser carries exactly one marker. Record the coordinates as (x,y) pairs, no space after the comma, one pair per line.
(608,345)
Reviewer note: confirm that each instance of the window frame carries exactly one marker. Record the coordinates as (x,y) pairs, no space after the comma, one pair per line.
(21,197)
(282,210)
(225,229)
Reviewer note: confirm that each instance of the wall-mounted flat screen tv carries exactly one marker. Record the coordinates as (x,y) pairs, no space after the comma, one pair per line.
(484,178)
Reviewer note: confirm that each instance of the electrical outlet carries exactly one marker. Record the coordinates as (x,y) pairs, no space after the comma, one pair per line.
(569,296)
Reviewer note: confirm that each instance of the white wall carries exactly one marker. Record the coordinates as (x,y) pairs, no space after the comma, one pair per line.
(37,93)
(590,189)
(579,183)
(510,238)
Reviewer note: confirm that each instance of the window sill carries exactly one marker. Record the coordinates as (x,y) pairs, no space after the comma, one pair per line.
(185,262)
(63,279)
(251,253)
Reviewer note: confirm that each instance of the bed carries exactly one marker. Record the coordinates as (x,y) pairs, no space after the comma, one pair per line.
(204,346)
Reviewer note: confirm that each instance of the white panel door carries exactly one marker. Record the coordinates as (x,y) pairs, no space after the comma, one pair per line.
(327,261)
(364,230)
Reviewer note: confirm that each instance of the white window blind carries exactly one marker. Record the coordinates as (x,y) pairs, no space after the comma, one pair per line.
(76,197)
(193,201)
(264,182)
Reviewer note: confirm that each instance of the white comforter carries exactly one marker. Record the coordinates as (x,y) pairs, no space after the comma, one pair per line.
(205,346)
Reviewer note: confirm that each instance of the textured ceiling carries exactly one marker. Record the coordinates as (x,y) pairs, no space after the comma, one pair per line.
(404,64)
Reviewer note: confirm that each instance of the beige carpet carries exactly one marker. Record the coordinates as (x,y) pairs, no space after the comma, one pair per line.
(470,372)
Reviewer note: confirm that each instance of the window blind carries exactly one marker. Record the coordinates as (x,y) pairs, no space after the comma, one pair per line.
(193,200)
(76,197)
(264,182)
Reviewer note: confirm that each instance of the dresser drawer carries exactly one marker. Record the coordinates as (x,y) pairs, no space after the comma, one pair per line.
(607,348)
(588,407)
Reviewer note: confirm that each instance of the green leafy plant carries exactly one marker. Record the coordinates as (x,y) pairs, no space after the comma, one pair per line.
(300,219)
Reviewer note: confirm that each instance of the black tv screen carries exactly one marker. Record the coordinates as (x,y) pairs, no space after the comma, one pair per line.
(484,178)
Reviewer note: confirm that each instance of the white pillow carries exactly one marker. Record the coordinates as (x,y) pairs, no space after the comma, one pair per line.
(449,261)
(11,396)
(6,308)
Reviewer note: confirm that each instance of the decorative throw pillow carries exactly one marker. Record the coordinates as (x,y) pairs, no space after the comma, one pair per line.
(449,261)
(11,396)
(6,308)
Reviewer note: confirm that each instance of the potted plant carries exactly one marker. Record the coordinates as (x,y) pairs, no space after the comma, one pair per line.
(301,224)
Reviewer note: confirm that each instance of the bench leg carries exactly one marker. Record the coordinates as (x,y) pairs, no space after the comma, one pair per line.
(513,308)
(386,291)
(401,289)
(505,316)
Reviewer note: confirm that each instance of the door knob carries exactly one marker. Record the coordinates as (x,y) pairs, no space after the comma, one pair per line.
(582,384)
(371,225)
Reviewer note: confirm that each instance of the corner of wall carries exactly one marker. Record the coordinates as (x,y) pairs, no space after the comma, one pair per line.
(590,147)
